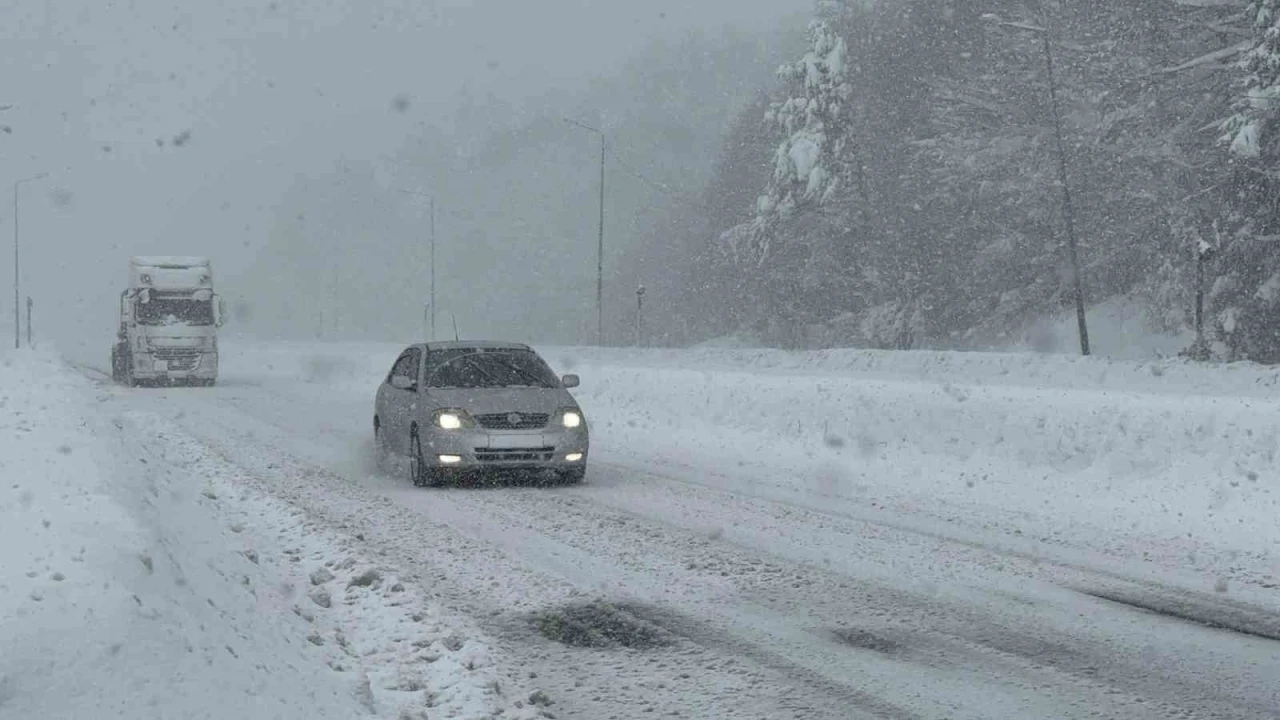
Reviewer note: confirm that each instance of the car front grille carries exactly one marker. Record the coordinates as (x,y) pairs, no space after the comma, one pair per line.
(513,421)
(492,455)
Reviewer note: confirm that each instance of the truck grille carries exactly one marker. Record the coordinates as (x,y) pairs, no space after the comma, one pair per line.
(491,455)
(179,359)
(513,421)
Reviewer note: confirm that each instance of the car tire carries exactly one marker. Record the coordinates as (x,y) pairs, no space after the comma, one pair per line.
(574,476)
(420,473)
(381,456)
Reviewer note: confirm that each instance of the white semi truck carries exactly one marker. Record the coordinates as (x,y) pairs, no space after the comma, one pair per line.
(169,320)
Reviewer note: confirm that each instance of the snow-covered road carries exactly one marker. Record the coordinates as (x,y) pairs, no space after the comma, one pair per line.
(816,536)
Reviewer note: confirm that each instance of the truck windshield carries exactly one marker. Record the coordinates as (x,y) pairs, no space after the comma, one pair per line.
(175,311)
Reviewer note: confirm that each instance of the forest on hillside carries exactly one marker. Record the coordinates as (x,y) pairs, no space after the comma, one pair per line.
(897,186)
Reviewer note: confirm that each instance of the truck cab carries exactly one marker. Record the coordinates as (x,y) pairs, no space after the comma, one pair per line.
(169,317)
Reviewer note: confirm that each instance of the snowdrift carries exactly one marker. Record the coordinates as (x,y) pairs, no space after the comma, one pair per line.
(142,580)
(108,611)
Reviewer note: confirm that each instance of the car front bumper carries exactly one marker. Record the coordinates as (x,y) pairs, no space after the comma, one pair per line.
(479,449)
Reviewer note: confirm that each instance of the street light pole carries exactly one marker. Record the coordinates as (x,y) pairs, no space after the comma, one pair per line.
(431,307)
(1068,206)
(640,316)
(17,310)
(600,240)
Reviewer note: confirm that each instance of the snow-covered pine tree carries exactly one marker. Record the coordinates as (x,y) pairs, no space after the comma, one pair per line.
(784,248)
(1245,296)
(806,161)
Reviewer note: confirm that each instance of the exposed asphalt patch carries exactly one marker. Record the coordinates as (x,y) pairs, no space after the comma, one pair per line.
(1215,615)
(601,624)
(865,640)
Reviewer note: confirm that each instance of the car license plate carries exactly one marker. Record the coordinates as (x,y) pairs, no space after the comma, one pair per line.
(515,442)
(162,365)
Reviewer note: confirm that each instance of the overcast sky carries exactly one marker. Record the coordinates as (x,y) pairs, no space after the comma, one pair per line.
(176,128)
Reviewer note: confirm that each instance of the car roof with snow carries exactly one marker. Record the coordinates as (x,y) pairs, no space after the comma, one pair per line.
(476,345)
(181,261)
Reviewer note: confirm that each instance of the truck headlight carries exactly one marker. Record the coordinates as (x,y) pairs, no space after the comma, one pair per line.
(571,419)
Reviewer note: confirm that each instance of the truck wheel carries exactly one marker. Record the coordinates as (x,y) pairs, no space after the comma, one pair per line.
(126,370)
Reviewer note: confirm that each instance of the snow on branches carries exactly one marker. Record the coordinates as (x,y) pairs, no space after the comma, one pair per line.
(1245,131)
(810,120)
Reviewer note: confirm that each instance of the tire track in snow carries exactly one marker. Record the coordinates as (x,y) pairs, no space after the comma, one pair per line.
(442,552)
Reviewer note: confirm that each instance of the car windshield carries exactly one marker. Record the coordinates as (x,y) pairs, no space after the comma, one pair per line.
(488,369)
(175,311)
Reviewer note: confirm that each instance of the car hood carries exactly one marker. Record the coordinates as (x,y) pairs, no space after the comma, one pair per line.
(484,401)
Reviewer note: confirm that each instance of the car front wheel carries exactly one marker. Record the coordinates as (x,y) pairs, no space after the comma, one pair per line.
(420,473)
(381,455)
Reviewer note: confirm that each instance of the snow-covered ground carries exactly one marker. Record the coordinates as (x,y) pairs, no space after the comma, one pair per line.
(817,535)
(141,577)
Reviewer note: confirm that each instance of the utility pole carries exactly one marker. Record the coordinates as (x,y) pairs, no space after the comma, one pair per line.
(600,256)
(17,294)
(1068,207)
(29,321)
(432,299)
(600,240)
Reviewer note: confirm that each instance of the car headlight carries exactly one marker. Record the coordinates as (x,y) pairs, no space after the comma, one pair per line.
(571,418)
(453,419)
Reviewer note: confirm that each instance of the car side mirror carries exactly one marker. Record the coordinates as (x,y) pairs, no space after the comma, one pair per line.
(571,381)
(400,382)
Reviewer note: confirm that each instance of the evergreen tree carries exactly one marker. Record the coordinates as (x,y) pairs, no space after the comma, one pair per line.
(1246,293)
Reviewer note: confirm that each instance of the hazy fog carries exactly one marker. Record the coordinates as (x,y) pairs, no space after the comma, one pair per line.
(277,137)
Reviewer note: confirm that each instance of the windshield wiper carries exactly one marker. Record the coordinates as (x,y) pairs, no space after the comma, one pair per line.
(537,381)
(480,369)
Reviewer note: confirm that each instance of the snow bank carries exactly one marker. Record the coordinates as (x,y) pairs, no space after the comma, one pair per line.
(376,633)
(140,580)
(1173,376)
(1167,461)
(121,597)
